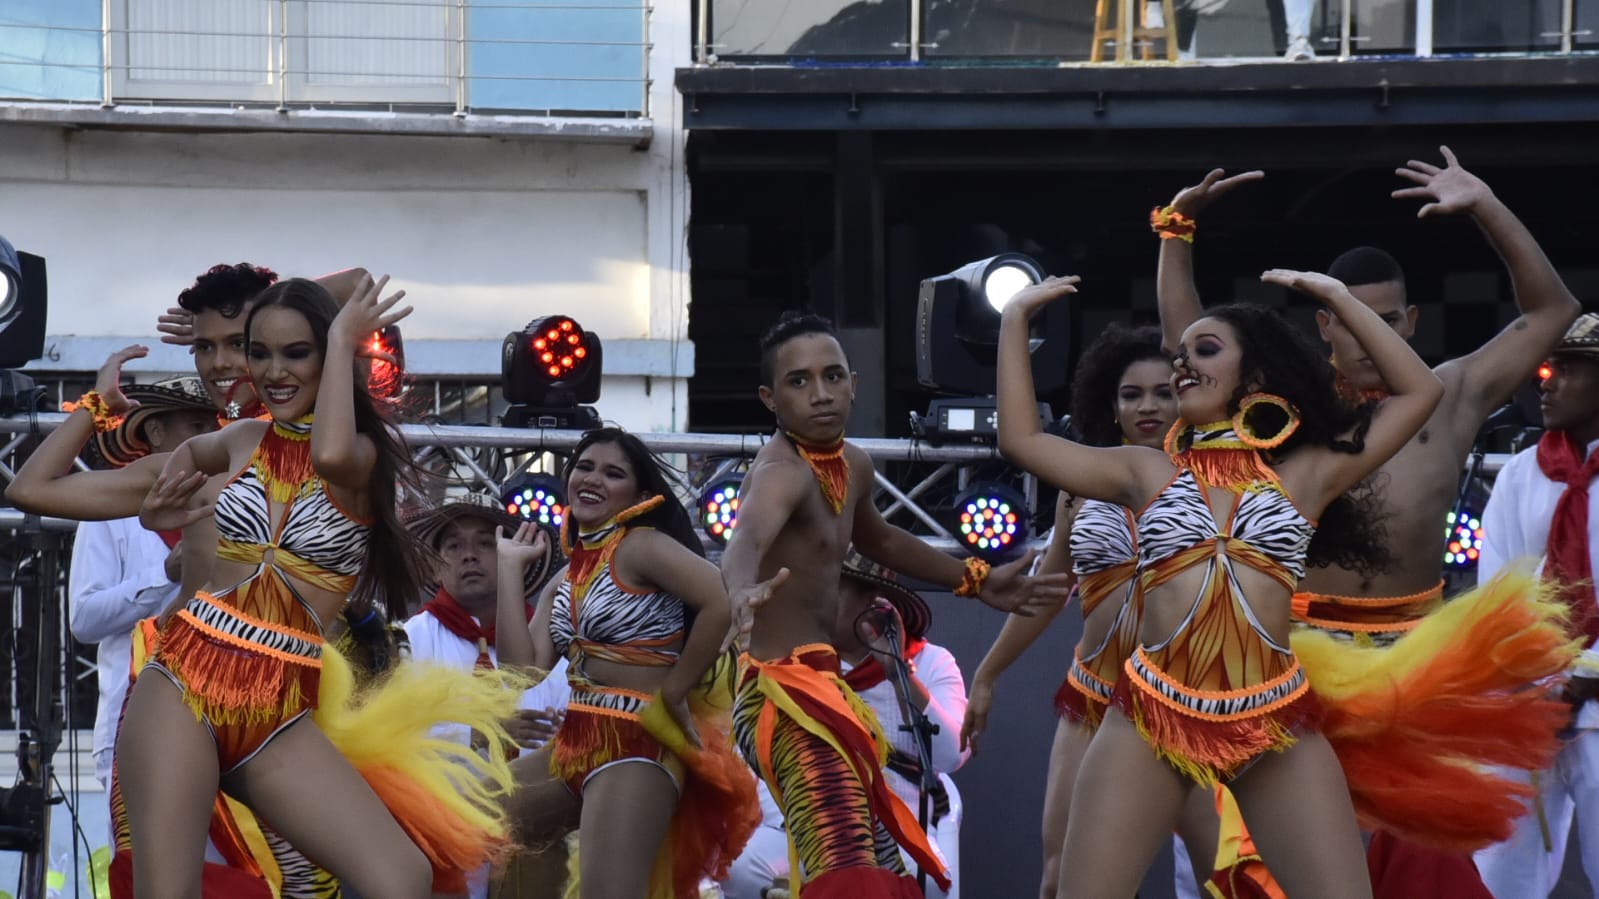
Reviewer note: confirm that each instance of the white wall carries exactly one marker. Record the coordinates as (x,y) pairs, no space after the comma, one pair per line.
(482,233)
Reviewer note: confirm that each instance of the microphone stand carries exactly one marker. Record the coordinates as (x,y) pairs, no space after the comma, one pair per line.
(922,729)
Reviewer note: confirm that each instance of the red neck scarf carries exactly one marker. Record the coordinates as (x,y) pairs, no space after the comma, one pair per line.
(1567,562)
(870,673)
(455,618)
(170,538)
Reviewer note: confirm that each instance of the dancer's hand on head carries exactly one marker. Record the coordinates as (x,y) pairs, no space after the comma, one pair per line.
(1034,297)
(1315,285)
(108,382)
(1010,588)
(745,602)
(978,702)
(1450,189)
(523,549)
(176,326)
(1192,200)
(366,314)
(167,506)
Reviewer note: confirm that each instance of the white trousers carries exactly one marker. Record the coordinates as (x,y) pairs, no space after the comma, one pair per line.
(1521,867)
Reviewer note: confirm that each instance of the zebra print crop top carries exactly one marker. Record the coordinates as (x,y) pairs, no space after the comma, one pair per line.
(1180,517)
(1102,537)
(313,527)
(610,615)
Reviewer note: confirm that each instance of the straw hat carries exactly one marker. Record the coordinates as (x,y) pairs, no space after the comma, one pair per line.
(126,442)
(913,610)
(1582,338)
(428,524)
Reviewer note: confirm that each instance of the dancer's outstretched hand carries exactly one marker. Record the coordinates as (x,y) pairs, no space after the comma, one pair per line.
(1009,588)
(366,314)
(108,381)
(1315,285)
(745,602)
(1451,189)
(1192,200)
(1035,297)
(978,703)
(167,506)
(523,549)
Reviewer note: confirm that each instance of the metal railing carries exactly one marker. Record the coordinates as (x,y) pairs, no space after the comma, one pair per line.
(917,39)
(445,56)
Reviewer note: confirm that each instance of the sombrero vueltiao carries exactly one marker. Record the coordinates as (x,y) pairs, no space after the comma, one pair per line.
(126,442)
(912,608)
(429,523)
(1582,338)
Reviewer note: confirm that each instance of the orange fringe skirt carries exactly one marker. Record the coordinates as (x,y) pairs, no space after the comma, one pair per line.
(1208,736)
(1084,695)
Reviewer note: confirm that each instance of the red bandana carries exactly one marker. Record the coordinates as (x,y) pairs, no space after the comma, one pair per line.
(829,466)
(170,538)
(450,613)
(870,673)
(1567,563)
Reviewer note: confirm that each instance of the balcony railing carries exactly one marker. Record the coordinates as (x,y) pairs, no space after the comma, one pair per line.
(999,32)
(538,57)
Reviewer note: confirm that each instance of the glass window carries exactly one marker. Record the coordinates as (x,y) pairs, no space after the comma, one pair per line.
(817,28)
(558,55)
(50,50)
(1488,26)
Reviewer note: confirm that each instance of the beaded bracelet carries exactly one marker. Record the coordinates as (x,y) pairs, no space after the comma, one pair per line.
(100,413)
(972,581)
(1169,223)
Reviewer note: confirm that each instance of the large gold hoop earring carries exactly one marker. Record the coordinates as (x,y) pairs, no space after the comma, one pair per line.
(1251,437)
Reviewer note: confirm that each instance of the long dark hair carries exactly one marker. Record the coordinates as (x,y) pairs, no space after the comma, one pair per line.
(651,471)
(393,570)
(1284,361)
(1099,374)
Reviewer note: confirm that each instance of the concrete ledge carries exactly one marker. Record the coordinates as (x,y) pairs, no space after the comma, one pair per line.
(580,129)
(423,358)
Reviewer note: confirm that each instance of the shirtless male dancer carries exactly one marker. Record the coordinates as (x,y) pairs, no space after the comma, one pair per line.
(1419,485)
(808,494)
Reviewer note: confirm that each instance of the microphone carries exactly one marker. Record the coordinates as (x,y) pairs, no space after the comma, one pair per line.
(879,622)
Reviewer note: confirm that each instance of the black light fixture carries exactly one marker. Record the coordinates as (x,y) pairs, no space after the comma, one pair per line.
(718,508)
(23,300)
(992,520)
(957,332)
(550,370)
(386,371)
(536,496)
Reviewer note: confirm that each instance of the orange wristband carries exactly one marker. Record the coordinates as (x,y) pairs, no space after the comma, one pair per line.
(972,581)
(94,404)
(1169,224)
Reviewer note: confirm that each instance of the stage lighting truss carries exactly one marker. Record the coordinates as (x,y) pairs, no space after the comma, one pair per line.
(539,497)
(1463,539)
(991,520)
(718,508)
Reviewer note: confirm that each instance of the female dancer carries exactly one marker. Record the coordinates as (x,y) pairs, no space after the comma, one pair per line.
(1225,522)
(1121,395)
(640,762)
(305,520)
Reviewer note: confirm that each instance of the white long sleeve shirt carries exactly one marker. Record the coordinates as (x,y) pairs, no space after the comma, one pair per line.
(118,577)
(1515,525)
(431,641)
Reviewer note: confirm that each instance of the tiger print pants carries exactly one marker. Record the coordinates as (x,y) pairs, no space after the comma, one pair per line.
(825,806)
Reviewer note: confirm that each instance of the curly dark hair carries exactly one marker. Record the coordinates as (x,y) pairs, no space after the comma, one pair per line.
(394,569)
(792,324)
(1283,360)
(227,288)
(654,476)
(1099,373)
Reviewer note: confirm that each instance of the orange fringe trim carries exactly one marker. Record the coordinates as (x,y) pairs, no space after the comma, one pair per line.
(282,462)
(1212,749)
(227,681)
(829,466)
(1225,462)
(591,737)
